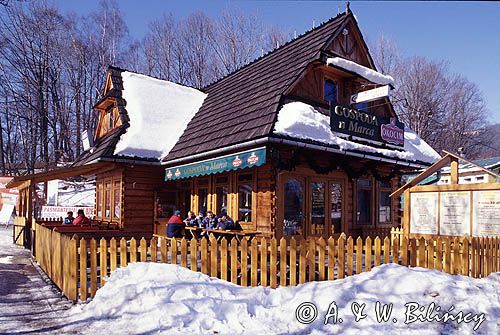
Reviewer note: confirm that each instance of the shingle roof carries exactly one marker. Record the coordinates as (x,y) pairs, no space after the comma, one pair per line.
(243,105)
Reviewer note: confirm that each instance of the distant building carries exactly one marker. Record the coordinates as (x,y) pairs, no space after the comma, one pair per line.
(471,173)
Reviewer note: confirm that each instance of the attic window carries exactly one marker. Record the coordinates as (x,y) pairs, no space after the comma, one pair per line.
(330,91)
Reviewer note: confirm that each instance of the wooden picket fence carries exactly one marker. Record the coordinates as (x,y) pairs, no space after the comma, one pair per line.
(80,266)
(19,230)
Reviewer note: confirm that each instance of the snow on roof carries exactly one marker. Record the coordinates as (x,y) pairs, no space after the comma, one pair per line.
(363,71)
(159,112)
(487,163)
(302,121)
(169,299)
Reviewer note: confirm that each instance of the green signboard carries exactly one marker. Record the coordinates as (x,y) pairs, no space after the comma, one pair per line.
(241,160)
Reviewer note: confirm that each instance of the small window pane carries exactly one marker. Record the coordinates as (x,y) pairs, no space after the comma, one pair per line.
(116,200)
(336,207)
(221,193)
(107,201)
(202,199)
(331,91)
(364,201)
(293,207)
(245,203)
(99,199)
(384,211)
(317,208)
(364,183)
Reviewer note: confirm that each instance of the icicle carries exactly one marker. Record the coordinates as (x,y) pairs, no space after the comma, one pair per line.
(314,24)
(261,52)
(277,44)
(294,34)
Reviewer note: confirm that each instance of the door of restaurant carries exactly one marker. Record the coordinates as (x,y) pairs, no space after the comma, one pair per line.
(312,206)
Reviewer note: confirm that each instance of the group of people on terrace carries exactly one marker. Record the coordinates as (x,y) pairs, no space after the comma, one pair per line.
(176,225)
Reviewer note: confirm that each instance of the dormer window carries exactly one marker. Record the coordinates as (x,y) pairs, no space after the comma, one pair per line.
(330,91)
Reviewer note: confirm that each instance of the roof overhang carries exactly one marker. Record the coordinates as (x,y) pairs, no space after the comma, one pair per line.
(61,173)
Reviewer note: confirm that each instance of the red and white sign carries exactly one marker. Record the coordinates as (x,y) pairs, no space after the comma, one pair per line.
(177,173)
(7,195)
(237,161)
(253,158)
(169,174)
(50,212)
(392,133)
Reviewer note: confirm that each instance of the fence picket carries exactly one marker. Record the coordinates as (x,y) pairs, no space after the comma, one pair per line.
(244,262)
(331,258)
(456,257)
(376,261)
(302,261)
(263,262)
(293,262)
(173,250)
(72,292)
(273,271)
(184,258)
(254,254)
(103,260)
(204,256)
(447,255)
(83,269)
(404,251)
(368,254)
(163,250)
(143,250)
(387,250)
(395,249)
(123,252)
(112,255)
(154,249)
(193,253)
(283,261)
(350,255)
(359,255)
(133,250)
(311,260)
(223,259)
(439,254)
(321,258)
(341,256)
(93,267)
(234,260)
(214,257)
(465,256)
(430,255)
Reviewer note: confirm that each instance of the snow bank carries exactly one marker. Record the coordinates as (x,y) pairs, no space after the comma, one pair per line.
(168,299)
(363,71)
(302,121)
(159,111)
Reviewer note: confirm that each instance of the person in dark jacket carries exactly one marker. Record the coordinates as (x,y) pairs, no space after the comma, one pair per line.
(225,222)
(175,225)
(210,222)
(69,219)
(193,220)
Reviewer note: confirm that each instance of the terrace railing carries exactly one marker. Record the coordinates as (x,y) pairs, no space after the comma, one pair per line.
(79,266)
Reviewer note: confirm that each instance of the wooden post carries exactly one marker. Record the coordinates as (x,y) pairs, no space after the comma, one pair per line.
(244,262)
(454,170)
(283,262)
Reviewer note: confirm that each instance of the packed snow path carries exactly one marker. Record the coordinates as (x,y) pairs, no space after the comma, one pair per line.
(29,304)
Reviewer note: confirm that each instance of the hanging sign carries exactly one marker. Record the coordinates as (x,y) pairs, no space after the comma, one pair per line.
(362,124)
(241,160)
(370,95)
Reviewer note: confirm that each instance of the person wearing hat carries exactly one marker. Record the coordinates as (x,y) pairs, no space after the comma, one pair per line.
(81,219)
(192,220)
(175,225)
(225,222)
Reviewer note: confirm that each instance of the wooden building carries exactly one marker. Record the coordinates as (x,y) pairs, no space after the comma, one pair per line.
(277,144)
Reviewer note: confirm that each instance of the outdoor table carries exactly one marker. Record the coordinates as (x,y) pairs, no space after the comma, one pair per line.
(238,234)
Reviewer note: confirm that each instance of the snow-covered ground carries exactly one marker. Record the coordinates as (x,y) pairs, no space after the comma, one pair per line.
(147,298)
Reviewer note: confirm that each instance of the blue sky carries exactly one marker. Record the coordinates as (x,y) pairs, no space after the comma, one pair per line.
(466,34)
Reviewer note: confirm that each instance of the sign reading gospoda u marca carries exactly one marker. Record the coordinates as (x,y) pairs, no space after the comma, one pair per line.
(362,124)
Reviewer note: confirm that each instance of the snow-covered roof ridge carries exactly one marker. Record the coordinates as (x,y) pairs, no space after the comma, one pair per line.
(159,112)
(301,121)
(363,71)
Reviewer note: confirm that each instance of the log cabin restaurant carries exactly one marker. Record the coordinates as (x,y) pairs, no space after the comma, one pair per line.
(281,144)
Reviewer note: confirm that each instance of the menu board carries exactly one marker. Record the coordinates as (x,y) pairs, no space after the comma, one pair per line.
(486,213)
(424,217)
(454,213)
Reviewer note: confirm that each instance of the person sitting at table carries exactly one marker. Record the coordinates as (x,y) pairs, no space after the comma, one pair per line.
(69,219)
(210,222)
(175,226)
(81,219)
(192,220)
(225,222)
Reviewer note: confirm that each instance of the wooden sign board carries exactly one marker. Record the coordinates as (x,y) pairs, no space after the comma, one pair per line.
(486,213)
